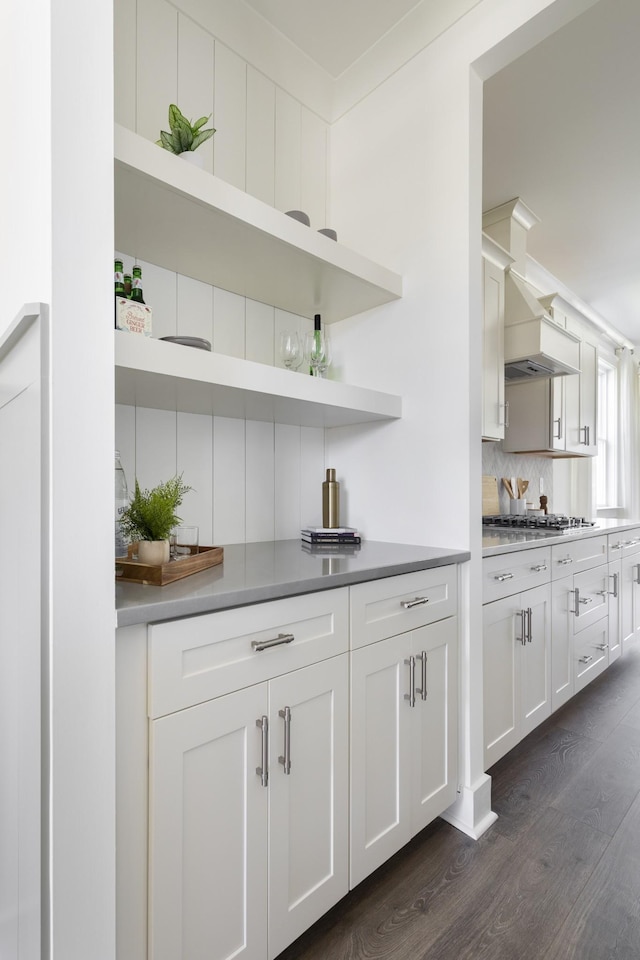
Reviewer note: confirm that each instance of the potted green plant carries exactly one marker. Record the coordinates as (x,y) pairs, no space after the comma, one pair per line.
(184,136)
(151,516)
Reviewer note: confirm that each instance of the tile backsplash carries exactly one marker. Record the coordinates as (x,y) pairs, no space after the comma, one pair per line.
(497,463)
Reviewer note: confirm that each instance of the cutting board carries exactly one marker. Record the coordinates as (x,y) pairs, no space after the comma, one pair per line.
(490,504)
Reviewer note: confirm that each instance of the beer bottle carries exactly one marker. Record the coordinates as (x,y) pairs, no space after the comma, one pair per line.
(118,278)
(127,286)
(136,285)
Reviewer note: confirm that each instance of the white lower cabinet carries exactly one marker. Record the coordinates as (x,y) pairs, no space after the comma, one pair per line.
(516,668)
(403,740)
(630,601)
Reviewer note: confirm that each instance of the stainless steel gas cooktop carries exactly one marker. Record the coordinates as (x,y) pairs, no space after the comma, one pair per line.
(547,523)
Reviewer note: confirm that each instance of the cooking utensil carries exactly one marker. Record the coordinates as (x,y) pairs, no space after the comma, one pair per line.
(507,485)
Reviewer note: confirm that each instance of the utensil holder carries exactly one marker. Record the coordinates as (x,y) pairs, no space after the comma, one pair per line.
(518,506)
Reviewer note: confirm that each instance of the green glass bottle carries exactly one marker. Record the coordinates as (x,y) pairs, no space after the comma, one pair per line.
(118,278)
(127,286)
(136,285)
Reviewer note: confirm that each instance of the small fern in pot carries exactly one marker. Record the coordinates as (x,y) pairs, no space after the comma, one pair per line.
(151,516)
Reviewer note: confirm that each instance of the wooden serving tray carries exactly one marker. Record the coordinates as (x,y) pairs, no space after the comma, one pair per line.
(157,575)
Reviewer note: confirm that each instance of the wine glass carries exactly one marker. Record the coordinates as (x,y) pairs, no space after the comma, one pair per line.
(317,352)
(290,352)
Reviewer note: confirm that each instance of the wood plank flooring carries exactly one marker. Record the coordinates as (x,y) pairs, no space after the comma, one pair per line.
(557,877)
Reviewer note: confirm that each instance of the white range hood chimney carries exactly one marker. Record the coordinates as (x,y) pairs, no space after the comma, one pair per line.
(535,345)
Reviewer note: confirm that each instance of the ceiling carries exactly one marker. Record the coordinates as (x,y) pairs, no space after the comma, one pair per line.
(561,131)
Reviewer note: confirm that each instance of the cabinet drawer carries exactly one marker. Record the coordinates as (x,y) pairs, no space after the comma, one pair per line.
(576,555)
(198,658)
(624,544)
(509,573)
(590,654)
(384,608)
(591,592)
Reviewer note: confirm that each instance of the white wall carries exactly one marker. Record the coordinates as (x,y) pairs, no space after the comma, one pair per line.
(56,62)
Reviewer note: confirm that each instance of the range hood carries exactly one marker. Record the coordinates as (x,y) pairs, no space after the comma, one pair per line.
(534,344)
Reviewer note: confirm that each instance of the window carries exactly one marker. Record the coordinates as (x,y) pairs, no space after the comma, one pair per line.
(605,492)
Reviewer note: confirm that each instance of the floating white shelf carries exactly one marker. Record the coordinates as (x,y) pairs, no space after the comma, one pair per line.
(186,220)
(169,376)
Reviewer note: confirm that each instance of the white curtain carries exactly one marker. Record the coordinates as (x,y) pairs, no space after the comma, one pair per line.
(628,435)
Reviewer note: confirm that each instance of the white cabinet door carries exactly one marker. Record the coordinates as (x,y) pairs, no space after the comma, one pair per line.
(500,672)
(516,669)
(615,609)
(208,831)
(581,394)
(493,406)
(308,797)
(380,753)
(630,601)
(561,641)
(403,740)
(435,722)
(535,660)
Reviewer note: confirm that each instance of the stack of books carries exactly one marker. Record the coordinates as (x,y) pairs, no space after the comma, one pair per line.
(336,537)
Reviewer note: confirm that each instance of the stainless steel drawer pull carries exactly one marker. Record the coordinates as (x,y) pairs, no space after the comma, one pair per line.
(614,592)
(586,659)
(586,435)
(529,625)
(558,435)
(417,602)
(263,771)
(523,616)
(259,645)
(286,759)
(603,646)
(619,545)
(585,599)
(637,570)
(539,567)
(411,696)
(423,689)
(503,576)
(566,560)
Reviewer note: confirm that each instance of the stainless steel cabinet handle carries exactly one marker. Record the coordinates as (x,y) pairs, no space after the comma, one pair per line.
(619,545)
(603,646)
(286,759)
(586,435)
(523,616)
(417,602)
(503,576)
(585,600)
(529,625)
(558,435)
(411,696)
(506,413)
(259,645)
(614,592)
(566,560)
(586,659)
(539,567)
(263,771)
(423,689)
(637,570)
(576,601)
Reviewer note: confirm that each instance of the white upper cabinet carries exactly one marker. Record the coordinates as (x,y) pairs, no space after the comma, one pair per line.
(495,261)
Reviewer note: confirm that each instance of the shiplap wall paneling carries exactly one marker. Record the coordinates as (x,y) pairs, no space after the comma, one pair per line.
(287,481)
(260,455)
(259,332)
(229,480)
(261,136)
(195,463)
(228,323)
(287,162)
(159,287)
(313,168)
(155,447)
(195,308)
(156,67)
(312,473)
(196,78)
(124,52)
(230,116)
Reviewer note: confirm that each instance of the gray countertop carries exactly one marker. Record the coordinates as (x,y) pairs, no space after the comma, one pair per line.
(509,540)
(254,572)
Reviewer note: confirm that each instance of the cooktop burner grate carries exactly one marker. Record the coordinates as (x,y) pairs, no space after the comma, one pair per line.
(550,521)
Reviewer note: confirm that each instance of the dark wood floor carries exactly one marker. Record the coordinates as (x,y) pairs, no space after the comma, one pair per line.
(557,877)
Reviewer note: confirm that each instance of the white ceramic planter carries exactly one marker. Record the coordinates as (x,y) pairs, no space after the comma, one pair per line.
(153,551)
(193,157)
